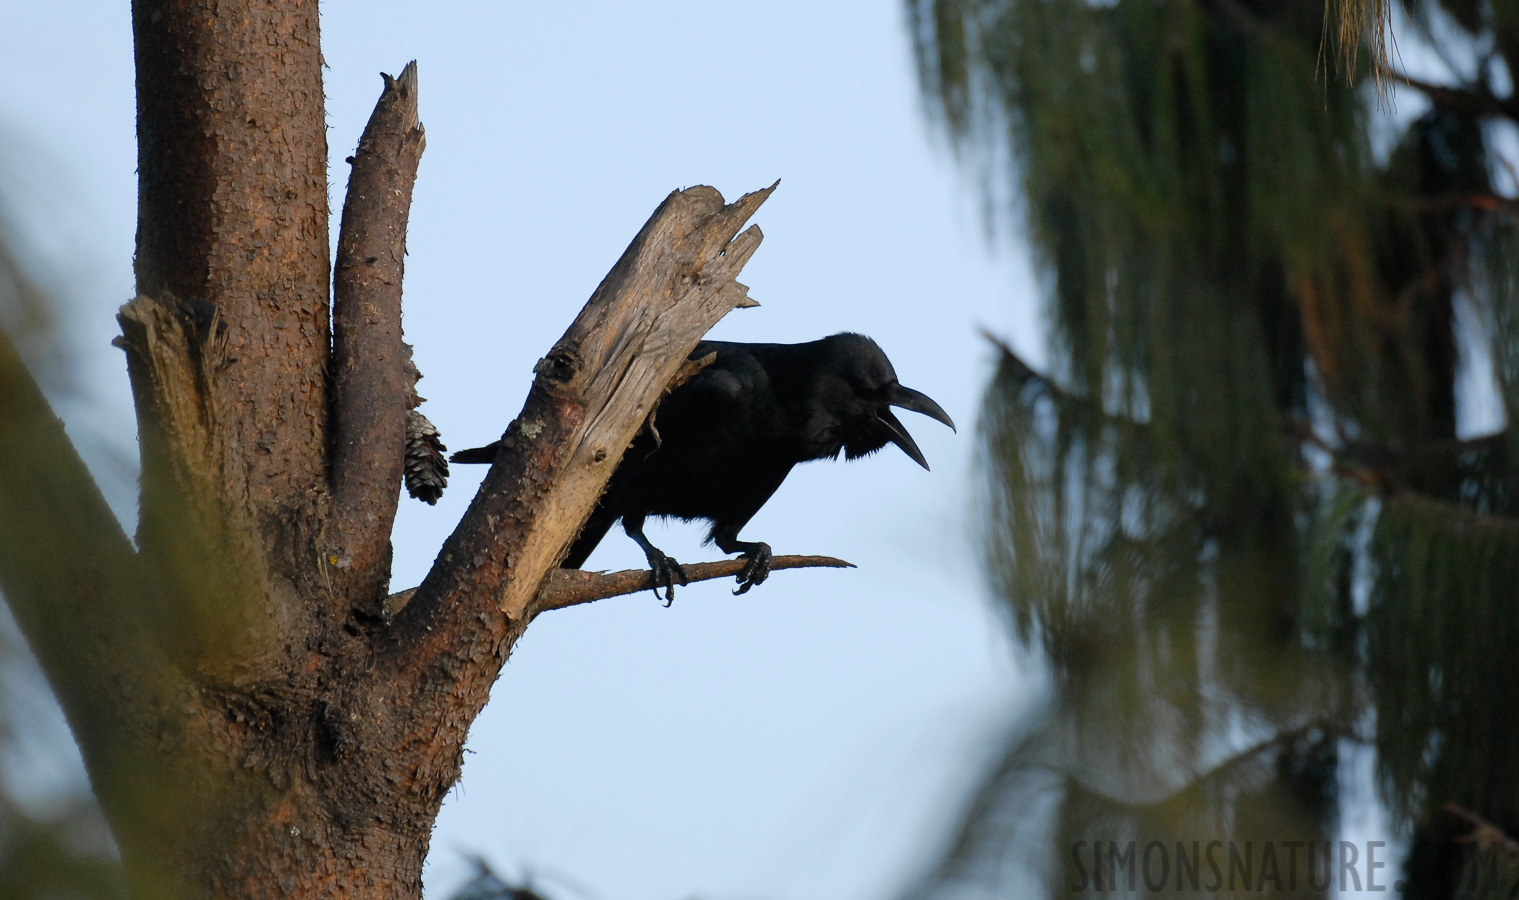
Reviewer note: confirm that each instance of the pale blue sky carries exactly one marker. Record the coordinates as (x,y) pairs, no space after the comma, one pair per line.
(801,741)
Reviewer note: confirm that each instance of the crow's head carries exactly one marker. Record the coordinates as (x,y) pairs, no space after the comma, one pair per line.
(856,390)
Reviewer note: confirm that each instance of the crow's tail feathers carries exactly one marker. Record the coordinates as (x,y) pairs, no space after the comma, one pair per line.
(596,528)
(486,454)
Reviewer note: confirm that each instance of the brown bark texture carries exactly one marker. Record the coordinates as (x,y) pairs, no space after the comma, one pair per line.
(228,340)
(255,717)
(370,378)
(232,169)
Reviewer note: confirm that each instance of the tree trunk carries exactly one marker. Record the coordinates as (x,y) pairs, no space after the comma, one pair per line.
(257,717)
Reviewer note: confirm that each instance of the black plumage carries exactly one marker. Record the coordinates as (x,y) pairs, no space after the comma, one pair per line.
(720,444)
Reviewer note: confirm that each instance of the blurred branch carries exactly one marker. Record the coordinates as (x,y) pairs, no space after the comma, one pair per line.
(1020,370)
(1432,473)
(1456,518)
(67,570)
(61,854)
(26,310)
(1461,100)
(1446,202)
(1483,831)
(1342,464)
(1411,476)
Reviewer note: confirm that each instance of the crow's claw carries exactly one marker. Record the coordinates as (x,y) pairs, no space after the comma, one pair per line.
(665,572)
(757,569)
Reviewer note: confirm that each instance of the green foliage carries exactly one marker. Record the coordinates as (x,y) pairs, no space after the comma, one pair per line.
(1203,202)
(1439,632)
(1236,517)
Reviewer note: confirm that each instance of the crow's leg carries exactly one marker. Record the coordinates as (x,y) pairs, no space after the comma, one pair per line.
(758,553)
(665,572)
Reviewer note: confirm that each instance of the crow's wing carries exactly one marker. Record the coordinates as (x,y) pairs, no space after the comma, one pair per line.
(719,402)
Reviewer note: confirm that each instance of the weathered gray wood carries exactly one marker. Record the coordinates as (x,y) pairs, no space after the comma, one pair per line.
(593,392)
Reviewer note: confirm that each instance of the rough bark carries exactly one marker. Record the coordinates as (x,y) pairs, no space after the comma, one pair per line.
(232,169)
(370,381)
(232,273)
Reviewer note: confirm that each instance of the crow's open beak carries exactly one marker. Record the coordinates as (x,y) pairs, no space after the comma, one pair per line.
(919,402)
(899,436)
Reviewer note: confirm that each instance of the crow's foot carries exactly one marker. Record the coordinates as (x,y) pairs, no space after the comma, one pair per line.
(757,570)
(665,572)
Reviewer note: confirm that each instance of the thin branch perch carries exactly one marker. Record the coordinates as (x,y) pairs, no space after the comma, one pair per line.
(232,216)
(572,587)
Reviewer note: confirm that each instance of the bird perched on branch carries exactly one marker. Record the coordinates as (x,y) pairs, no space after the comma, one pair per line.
(720,444)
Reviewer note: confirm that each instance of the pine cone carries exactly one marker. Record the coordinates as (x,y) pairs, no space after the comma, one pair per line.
(426,466)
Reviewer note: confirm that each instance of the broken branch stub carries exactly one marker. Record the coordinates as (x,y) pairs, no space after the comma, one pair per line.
(369,360)
(211,566)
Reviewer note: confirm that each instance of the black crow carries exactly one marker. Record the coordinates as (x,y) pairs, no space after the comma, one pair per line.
(720,444)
